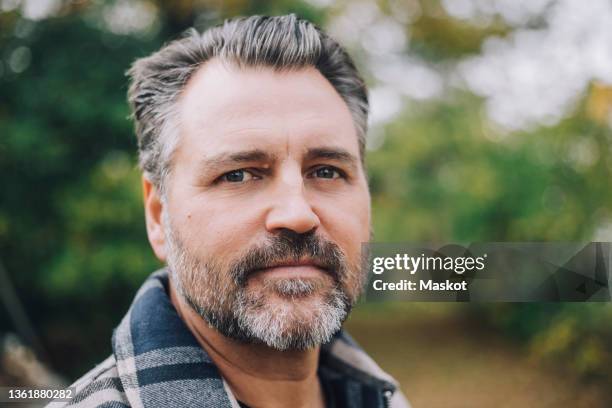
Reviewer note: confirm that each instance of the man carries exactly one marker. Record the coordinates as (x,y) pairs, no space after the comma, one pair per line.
(251,140)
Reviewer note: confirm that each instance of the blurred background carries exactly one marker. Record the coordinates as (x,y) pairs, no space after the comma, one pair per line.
(491,121)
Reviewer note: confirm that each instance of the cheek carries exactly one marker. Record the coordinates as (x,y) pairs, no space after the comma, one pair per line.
(347,222)
(208,227)
(348,217)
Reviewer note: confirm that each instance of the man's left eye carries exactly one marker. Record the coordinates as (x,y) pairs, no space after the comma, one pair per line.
(327,172)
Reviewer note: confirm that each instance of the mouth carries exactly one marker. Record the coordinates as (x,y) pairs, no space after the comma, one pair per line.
(291,270)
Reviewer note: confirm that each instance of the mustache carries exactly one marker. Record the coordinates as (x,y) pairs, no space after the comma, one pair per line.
(286,247)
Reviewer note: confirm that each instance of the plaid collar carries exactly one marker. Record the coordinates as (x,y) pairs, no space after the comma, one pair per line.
(160,363)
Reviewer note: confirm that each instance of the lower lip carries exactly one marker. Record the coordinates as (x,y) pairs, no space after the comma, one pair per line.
(292,272)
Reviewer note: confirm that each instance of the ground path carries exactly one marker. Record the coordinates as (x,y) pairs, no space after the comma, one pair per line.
(444,362)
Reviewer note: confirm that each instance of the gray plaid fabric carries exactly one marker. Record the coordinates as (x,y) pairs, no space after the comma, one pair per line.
(157,363)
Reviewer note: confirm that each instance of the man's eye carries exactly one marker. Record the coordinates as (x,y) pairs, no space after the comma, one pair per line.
(237,176)
(327,172)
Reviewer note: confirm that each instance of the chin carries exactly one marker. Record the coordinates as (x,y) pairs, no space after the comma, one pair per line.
(295,323)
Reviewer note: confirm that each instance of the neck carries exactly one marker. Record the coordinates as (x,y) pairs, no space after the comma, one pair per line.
(257,374)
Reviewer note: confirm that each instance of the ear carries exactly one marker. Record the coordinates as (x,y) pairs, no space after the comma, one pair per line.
(153,215)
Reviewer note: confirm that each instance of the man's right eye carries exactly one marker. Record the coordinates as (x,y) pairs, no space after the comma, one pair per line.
(237,176)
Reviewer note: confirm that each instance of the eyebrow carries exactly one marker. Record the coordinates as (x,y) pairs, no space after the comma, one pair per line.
(223,160)
(332,153)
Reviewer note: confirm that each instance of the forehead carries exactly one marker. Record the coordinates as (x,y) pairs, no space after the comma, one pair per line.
(224,106)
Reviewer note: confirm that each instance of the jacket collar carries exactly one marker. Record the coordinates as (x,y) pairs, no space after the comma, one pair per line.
(160,363)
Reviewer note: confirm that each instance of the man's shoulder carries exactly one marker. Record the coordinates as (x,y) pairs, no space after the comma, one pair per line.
(100,387)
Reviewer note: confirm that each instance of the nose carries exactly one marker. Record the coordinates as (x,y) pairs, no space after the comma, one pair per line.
(290,209)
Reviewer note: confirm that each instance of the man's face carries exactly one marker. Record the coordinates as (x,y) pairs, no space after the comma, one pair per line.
(267,205)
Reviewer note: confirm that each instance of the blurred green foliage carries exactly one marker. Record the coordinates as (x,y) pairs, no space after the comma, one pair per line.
(72,230)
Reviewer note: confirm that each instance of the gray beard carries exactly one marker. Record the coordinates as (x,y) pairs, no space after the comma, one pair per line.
(247,315)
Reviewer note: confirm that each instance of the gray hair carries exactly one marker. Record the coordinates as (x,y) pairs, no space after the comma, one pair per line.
(281,42)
